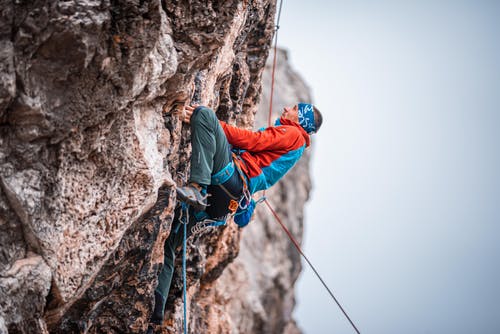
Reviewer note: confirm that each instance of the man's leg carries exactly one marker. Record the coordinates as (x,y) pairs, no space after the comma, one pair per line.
(210,146)
(173,242)
(210,154)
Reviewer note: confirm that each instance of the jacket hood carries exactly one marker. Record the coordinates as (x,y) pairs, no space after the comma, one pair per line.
(284,121)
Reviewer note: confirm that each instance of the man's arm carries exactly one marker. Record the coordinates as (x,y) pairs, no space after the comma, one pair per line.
(274,138)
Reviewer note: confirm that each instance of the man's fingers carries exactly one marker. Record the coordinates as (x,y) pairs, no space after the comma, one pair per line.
(188,112)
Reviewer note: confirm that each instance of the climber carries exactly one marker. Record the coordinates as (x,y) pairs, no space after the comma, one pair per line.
(228,164)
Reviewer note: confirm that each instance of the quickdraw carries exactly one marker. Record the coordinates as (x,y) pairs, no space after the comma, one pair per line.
(247,196)
(207,224)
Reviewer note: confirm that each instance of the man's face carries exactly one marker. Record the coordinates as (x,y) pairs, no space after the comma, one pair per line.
(291,113)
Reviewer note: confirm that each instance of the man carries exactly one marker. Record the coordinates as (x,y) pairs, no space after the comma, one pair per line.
(221,182)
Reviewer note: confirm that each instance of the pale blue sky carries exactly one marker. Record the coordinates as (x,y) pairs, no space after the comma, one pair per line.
(404,220)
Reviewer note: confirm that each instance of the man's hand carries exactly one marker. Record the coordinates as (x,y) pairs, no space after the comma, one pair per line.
(188,112)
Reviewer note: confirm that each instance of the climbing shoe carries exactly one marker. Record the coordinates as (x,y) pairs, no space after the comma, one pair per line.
(192,196)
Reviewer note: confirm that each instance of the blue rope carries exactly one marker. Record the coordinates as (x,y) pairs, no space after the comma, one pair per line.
(185,222)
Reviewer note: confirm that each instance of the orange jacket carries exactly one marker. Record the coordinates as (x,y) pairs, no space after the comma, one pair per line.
(268,154)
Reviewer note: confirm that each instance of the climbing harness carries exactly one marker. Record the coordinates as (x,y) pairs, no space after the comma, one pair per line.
(227,188)
(247,196)
(287,231)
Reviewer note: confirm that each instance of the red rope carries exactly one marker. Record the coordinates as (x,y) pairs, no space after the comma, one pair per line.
(274,66)
(272,82)
(287,231)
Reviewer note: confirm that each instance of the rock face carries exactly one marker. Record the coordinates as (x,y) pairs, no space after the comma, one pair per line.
(91,148)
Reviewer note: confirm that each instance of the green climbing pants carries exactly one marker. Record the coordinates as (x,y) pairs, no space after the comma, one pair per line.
(173,241)
(210,154)
(210,147)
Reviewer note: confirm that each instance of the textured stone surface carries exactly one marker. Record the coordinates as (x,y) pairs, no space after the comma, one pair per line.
(23,289)
(91,147)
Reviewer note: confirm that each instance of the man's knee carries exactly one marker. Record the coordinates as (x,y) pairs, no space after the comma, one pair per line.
(203,115)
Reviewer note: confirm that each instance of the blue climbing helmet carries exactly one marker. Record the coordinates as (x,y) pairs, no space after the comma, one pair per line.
(306,117)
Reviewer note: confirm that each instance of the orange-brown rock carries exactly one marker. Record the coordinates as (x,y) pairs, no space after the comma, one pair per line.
(91,148)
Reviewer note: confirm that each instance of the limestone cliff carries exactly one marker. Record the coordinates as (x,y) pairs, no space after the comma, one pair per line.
(91,148)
